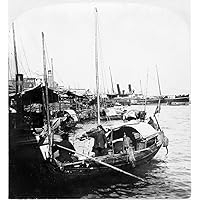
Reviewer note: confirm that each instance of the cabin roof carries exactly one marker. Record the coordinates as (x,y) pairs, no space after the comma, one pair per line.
(143,128)
(35,95)
(71,112)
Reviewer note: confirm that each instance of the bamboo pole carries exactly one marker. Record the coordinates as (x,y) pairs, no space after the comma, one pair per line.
(158,81)
(15,51)
(52,72)
(97,70)
(50,136)
(146,92)
(141,87)
(106,164)
(111,81)
(159,104)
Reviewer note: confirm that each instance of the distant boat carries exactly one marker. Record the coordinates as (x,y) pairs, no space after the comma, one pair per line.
(177,99)
(111,114)
(178,103)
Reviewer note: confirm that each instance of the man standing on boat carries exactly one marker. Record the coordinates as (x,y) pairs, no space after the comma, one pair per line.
(65,156)
(100,140)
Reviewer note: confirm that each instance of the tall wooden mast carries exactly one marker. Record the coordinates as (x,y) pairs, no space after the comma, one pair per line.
(160,94)
(141,88)
(52,73)
(19,77)
(50,133)
(158,81)
(19,85)
(146,91)
(15,51)
(97,68)
(111,81)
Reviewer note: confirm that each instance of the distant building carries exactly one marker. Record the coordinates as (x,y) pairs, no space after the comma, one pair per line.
(78,91)
(51,83)
(29,83)
(11,86)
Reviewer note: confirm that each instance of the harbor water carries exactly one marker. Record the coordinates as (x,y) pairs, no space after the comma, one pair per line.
(169,175)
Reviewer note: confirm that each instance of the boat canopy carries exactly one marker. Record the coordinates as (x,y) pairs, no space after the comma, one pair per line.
(77,94)
(110,112)
(35,95)
(71,112)
(143,128)
(132,127)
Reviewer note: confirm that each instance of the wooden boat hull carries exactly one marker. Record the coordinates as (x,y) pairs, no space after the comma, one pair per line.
(96,170)
(115,117)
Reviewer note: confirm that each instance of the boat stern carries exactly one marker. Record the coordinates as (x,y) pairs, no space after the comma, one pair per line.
(162,140)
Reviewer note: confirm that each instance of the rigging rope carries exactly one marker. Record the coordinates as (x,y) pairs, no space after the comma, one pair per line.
(21,65)
(9,69)
(25,56)
(103,74)
(10,65)
(47,55)
(50,64)
(11,55)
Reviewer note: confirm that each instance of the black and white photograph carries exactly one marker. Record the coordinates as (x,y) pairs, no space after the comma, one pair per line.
(99,99)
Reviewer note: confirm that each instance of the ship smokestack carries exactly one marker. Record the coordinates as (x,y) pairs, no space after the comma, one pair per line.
(118,89)
(129,88)
(19,83)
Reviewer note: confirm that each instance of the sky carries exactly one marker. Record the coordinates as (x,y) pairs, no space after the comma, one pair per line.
(133,38)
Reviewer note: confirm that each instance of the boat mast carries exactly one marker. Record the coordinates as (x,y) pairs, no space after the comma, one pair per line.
(160,95)
(15,51)
(159,104)
(111,81)
(146,92)
(52,73)
(158,81)
(19,77)
(53,85)
(50,133)
(19,84)
(96,66)
(141,88)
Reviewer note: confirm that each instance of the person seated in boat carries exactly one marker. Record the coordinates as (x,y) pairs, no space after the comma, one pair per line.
(141,115)
(100,140)
(64,155)
(60,113)
(65,124)
(103,113)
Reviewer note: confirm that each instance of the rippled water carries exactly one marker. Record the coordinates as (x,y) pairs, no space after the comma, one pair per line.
(169,175)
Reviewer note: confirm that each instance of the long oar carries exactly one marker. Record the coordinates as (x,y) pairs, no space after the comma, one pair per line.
(105,164)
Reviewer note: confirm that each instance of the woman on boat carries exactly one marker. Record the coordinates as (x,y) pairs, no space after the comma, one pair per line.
(129,148)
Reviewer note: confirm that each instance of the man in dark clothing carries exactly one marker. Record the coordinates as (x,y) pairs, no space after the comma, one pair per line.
(64,155)
(100,140)
(66,123)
